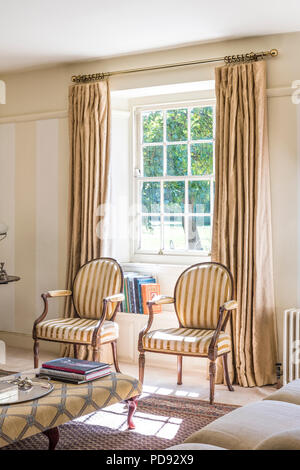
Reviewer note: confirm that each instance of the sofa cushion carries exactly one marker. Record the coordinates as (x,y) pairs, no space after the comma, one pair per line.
(290,393)
(287,440)
(249,425)
(194,446)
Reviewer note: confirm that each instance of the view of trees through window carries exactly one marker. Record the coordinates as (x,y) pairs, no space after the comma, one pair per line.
(176,184)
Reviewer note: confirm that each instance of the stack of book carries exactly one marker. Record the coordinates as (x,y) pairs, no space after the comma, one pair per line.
(67,369)
(138,290)
(8,392)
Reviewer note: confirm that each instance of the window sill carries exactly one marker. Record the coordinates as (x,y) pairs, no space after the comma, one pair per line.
(167,260)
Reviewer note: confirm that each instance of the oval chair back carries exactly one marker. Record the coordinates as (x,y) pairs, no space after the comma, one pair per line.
(199,292)
(94,281)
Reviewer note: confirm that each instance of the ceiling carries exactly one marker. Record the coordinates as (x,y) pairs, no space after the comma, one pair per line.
(36,33)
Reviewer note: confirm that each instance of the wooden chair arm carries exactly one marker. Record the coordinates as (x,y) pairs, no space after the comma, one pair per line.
(227,307)
(146,327)
(161,300)
(45,296)
(58,293)
(230,305)
(115,298)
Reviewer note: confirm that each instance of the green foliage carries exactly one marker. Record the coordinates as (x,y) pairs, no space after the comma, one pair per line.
(174,196)
(151,197)
(177,125)
(199,196)
(202,159)
(177,160)
(202,123)
(153,160)
(153,127)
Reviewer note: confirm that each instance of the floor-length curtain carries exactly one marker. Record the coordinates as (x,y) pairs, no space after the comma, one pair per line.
(242,238)
(89,133)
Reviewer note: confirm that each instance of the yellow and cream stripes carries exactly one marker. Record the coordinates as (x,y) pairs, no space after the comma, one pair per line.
(95,281)
(199,294)
(75,330)
(185,340)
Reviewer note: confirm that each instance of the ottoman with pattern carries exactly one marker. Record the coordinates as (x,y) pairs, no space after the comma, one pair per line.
(66,402)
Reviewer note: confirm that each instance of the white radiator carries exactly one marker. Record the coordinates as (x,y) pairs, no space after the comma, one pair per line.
(291,345)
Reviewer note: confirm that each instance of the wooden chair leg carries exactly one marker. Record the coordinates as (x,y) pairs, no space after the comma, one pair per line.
(226,373)
(76,350)
(132,404)
(115,356)
(36,354)
(95,353)
(53,436)
(179,370)
(141,367)
(212,376)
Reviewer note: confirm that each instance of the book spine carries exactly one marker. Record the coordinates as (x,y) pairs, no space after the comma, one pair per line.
(69,369)
(126,294)
(136,294)
(73,376)
(131,296)
(78,382)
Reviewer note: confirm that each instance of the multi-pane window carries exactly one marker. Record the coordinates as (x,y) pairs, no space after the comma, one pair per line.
(175,181)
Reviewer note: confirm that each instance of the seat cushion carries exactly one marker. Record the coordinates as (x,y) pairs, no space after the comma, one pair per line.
(287,440)
(246,427)
(194,446)
(185,340)
(290,393)
(72,330)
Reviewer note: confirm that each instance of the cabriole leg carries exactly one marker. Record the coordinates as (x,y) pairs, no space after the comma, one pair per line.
(132,404)
(53,436)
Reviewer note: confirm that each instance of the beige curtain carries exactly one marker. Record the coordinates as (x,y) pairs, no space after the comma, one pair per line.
(89,132)
(242,238)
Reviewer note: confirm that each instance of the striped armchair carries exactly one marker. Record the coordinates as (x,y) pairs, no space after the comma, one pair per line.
(96,295)
(203,304)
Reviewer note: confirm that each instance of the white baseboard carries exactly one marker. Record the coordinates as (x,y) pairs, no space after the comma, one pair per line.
(25,341)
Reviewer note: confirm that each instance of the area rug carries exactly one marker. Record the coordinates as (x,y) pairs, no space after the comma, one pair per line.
(161,421)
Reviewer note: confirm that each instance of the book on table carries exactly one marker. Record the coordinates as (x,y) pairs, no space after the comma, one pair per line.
(74,370)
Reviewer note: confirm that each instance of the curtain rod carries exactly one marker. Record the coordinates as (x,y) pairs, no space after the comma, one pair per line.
(229,59)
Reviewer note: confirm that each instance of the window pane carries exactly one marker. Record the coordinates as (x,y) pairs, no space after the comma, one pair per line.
(202,123)
(202,159)
(153,160)
(177,125)
(199,233)
(174,234)
(199,196)
(174,196)
(177,160)
(153,126)
(151,197)
(150,233)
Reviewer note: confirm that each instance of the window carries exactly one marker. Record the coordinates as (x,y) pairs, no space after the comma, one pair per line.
(175,179)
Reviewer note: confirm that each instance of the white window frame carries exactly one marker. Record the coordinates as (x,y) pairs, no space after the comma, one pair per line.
(137,170)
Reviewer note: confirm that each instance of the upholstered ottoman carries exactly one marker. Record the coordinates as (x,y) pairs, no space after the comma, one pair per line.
(64,403)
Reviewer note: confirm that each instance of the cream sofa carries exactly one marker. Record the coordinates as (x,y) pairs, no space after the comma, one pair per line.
(270,424)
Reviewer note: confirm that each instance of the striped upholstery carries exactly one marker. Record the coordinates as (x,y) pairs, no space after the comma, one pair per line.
(185,340)
(76,330)
(199,293)
(94,281)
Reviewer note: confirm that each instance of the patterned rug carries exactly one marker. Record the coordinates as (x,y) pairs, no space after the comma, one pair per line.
(161,421)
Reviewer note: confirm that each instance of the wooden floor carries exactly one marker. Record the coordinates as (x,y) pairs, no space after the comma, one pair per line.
(160,381)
